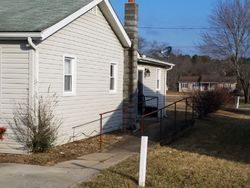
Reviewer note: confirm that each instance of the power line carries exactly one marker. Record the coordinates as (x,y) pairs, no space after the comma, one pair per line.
(185,46)
(174,28)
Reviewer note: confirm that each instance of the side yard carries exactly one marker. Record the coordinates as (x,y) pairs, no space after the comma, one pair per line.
(64,152)
(214,153)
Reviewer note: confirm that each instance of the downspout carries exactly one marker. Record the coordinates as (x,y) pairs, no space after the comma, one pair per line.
(35,74)
(165,85)
(170,68)
(166,75)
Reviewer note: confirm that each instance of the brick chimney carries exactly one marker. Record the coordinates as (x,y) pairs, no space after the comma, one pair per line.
(130,65)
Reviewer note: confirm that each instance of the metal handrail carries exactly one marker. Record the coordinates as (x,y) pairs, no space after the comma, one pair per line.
(163,108)
(124,108)
(101,114)
(153,112)
(151,98)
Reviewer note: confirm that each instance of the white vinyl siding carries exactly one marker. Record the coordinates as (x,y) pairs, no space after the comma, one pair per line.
(92,41)
(14,87)
(150,84)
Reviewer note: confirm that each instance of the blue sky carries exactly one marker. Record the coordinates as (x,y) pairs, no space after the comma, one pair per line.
(171,14)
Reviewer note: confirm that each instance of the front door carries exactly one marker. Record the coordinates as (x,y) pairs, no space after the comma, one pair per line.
(140,92)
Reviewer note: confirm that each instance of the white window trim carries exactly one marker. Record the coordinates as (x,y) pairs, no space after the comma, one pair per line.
(184,85)
(158,89)
(74,75)
(116,77)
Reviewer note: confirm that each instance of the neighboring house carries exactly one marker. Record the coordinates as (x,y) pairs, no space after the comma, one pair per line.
(79,50)
(206,83)
(188,83)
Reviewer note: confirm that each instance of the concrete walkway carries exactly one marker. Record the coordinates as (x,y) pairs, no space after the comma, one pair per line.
(69,173)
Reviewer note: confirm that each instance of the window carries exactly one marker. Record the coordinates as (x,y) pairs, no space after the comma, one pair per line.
(195,85)
(69,75)
(158,79)
(184,85)
(113,77)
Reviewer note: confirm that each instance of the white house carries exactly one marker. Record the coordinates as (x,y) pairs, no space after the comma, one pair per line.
(206,83)
(79,51)
(153,74)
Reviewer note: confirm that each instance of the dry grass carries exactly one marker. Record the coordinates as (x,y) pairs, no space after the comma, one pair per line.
(62,153)
(245,106)
(215,153)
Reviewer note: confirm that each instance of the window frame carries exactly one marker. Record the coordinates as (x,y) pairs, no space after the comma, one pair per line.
(184,85)
(158,77)
(74,71)
(195,85)
(115,65)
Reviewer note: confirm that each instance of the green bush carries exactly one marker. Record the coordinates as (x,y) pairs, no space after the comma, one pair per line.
(207,102)
(36,127)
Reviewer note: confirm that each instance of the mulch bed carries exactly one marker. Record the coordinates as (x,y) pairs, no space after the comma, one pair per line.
(64,152)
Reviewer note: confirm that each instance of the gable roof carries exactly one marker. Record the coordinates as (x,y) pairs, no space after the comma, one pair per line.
(35,15)
(218,78)
(189,79)
(212,78)
(42,18)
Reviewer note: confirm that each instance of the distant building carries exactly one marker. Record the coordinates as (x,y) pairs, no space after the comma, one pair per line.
(205,83)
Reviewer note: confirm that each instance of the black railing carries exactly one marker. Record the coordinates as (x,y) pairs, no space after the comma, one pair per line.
(189,102)
(142,102)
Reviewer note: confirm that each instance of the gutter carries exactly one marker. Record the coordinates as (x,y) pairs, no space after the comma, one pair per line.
(145,59)
(170,68)
(35,73)
(18,35)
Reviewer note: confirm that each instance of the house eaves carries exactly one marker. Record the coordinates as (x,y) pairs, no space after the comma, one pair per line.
(19,35)
(153,61)
(106,9)
(115,23)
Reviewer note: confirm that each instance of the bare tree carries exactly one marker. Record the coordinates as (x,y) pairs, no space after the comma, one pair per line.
(36,129)
(229,38)
(152,48)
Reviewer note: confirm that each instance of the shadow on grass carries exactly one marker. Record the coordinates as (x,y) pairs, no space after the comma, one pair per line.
(221,136)
(110,170)
(238,111)
(169,128)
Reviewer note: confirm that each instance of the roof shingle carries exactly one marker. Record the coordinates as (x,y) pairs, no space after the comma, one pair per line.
(35,15)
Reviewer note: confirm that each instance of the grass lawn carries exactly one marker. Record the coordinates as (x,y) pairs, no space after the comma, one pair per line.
(214,153)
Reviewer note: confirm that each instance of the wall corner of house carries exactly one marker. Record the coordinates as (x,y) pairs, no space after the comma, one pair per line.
(131,61)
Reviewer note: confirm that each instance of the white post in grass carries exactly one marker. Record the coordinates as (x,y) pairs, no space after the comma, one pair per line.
(143,161)
(237,102)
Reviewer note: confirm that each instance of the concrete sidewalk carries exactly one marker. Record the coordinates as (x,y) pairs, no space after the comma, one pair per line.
(69,173)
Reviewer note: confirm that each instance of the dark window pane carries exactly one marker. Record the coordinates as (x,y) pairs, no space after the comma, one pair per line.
(111,70)
(67,83)
(112,84)
(67,66)
(158,84)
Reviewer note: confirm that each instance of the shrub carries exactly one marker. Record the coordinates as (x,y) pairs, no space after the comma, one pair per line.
(210,101)
(2,131)
(36,127)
